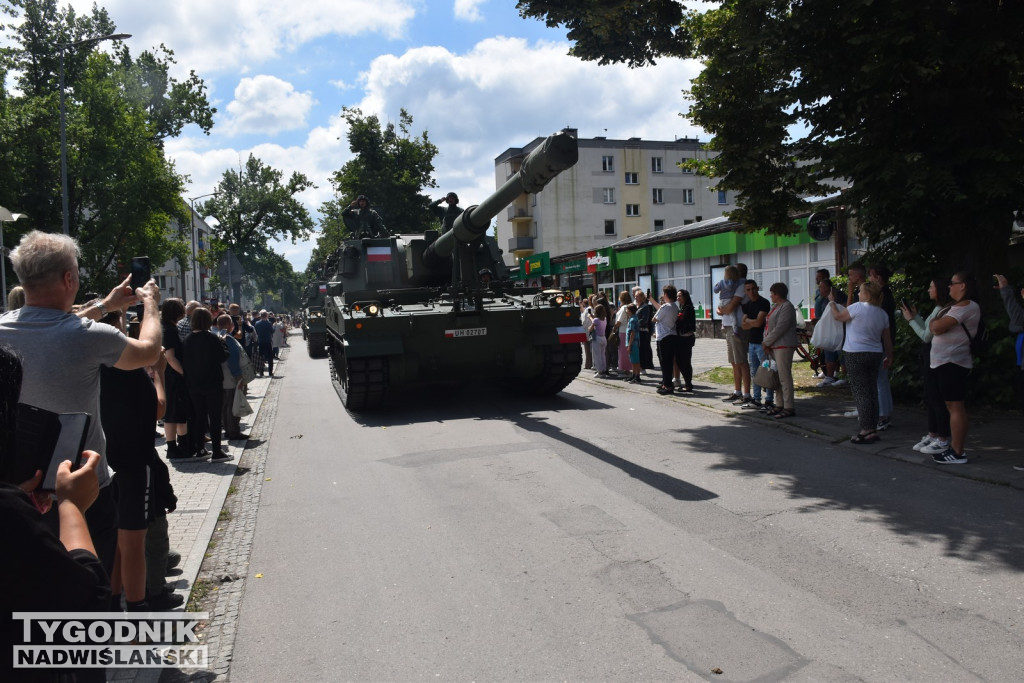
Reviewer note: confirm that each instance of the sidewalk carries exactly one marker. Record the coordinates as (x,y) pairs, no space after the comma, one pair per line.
(201,489)
(995,440)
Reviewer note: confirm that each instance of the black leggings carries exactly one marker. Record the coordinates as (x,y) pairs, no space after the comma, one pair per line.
(207,404)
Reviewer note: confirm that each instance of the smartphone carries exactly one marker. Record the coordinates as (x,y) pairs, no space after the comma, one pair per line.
(44,439)
(140,271)
(903,303)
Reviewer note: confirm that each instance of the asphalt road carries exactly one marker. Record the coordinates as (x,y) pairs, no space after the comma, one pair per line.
(608,535)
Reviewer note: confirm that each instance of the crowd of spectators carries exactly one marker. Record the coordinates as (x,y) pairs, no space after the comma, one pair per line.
(130,361)
(762,331)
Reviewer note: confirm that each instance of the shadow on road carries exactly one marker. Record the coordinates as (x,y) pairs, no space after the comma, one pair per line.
(974,521)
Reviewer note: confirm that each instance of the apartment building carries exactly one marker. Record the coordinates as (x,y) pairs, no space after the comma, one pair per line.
(617,189)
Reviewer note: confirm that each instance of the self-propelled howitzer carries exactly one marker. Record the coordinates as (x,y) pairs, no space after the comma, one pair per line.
(411,310)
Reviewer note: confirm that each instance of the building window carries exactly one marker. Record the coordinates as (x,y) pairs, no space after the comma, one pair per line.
(632,179)
(684,169)
(698,218)
(659,225)
(657,195)
(609,227)
(632,209)
(687,221)
(687,196)
(723,197)
(656,165)
(608,163)
(609,195)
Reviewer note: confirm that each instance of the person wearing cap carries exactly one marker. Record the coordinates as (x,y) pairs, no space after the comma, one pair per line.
(362,221)
(447,216)
(485,276)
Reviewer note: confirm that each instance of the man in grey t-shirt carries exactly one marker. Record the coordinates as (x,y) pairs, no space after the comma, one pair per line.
(62,352)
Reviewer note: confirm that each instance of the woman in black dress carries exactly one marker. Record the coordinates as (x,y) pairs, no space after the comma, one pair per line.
(204,353)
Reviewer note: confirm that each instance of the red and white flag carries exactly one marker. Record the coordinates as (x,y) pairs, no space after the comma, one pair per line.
(378,254)
(569,335)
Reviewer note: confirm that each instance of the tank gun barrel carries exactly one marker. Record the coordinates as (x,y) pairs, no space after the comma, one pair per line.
(556,154)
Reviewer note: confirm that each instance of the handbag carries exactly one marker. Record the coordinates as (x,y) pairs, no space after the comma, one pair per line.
(248,372)
(767,378)
(241,407)
(829,334)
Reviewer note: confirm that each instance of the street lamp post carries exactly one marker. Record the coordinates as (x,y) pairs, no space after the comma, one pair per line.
(195,254)
(63,128)
(5,216)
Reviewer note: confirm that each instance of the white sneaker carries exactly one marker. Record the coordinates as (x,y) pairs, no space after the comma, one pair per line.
(936,446)
(925,440)
(850,413)
(840,383)
(827,381)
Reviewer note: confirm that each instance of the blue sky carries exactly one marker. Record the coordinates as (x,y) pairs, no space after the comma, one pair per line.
(473,74)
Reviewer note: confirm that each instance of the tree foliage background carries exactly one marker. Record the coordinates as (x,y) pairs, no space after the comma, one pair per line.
(254,205)
(391,167)
(122,191)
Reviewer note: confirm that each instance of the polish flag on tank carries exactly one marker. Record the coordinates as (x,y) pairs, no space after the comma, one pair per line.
(378,254)
(570,335)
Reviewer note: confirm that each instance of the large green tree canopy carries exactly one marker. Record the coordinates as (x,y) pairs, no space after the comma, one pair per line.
(254,206)
(917,105)
(122,191)
(391,167)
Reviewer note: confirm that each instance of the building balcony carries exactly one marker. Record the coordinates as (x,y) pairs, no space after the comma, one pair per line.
(520,244)
(516,215)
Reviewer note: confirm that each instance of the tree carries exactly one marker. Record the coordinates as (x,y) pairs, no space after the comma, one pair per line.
(391,167)
(123,193)
(254,206)
(918,104)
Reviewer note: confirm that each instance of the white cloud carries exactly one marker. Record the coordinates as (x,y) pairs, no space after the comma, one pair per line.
(267,105)
(468,10)
(227,36)
(505,92)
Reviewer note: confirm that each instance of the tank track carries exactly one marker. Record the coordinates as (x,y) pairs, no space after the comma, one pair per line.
(562,363)
(316,344)
(361,383)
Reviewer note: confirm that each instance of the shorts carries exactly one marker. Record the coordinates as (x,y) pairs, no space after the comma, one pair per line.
(951,381)
(133,489)
(831,356)
(738,346)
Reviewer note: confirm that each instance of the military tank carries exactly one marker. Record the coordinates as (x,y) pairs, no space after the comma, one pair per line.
(314,324)
(417,310)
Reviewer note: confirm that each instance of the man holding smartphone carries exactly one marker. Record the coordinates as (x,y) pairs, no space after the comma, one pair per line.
(63,353)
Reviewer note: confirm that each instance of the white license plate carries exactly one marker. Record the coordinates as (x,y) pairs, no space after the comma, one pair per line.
(466,332)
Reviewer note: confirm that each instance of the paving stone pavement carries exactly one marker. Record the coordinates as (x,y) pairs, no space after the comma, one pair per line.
(203,491)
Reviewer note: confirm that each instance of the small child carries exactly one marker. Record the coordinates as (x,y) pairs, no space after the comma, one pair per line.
(726,290)
(633,342)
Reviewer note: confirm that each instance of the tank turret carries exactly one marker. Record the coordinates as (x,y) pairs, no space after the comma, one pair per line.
(557,153)
(408,310)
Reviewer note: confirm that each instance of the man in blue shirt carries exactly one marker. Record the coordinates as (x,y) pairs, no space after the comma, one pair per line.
(265,336)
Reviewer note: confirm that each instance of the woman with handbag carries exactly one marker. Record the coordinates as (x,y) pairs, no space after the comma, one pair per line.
(867,348)
(780,343)
(954,329)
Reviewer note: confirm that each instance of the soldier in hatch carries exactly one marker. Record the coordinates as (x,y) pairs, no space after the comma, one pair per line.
(362,221)
(447,216)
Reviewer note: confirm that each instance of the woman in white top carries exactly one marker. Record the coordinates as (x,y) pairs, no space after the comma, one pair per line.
(951,360)
(868,346)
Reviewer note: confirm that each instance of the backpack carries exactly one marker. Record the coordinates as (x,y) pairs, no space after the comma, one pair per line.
(979,342)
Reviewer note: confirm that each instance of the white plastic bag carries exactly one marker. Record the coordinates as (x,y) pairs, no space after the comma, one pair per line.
(241,407)
(829,334)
